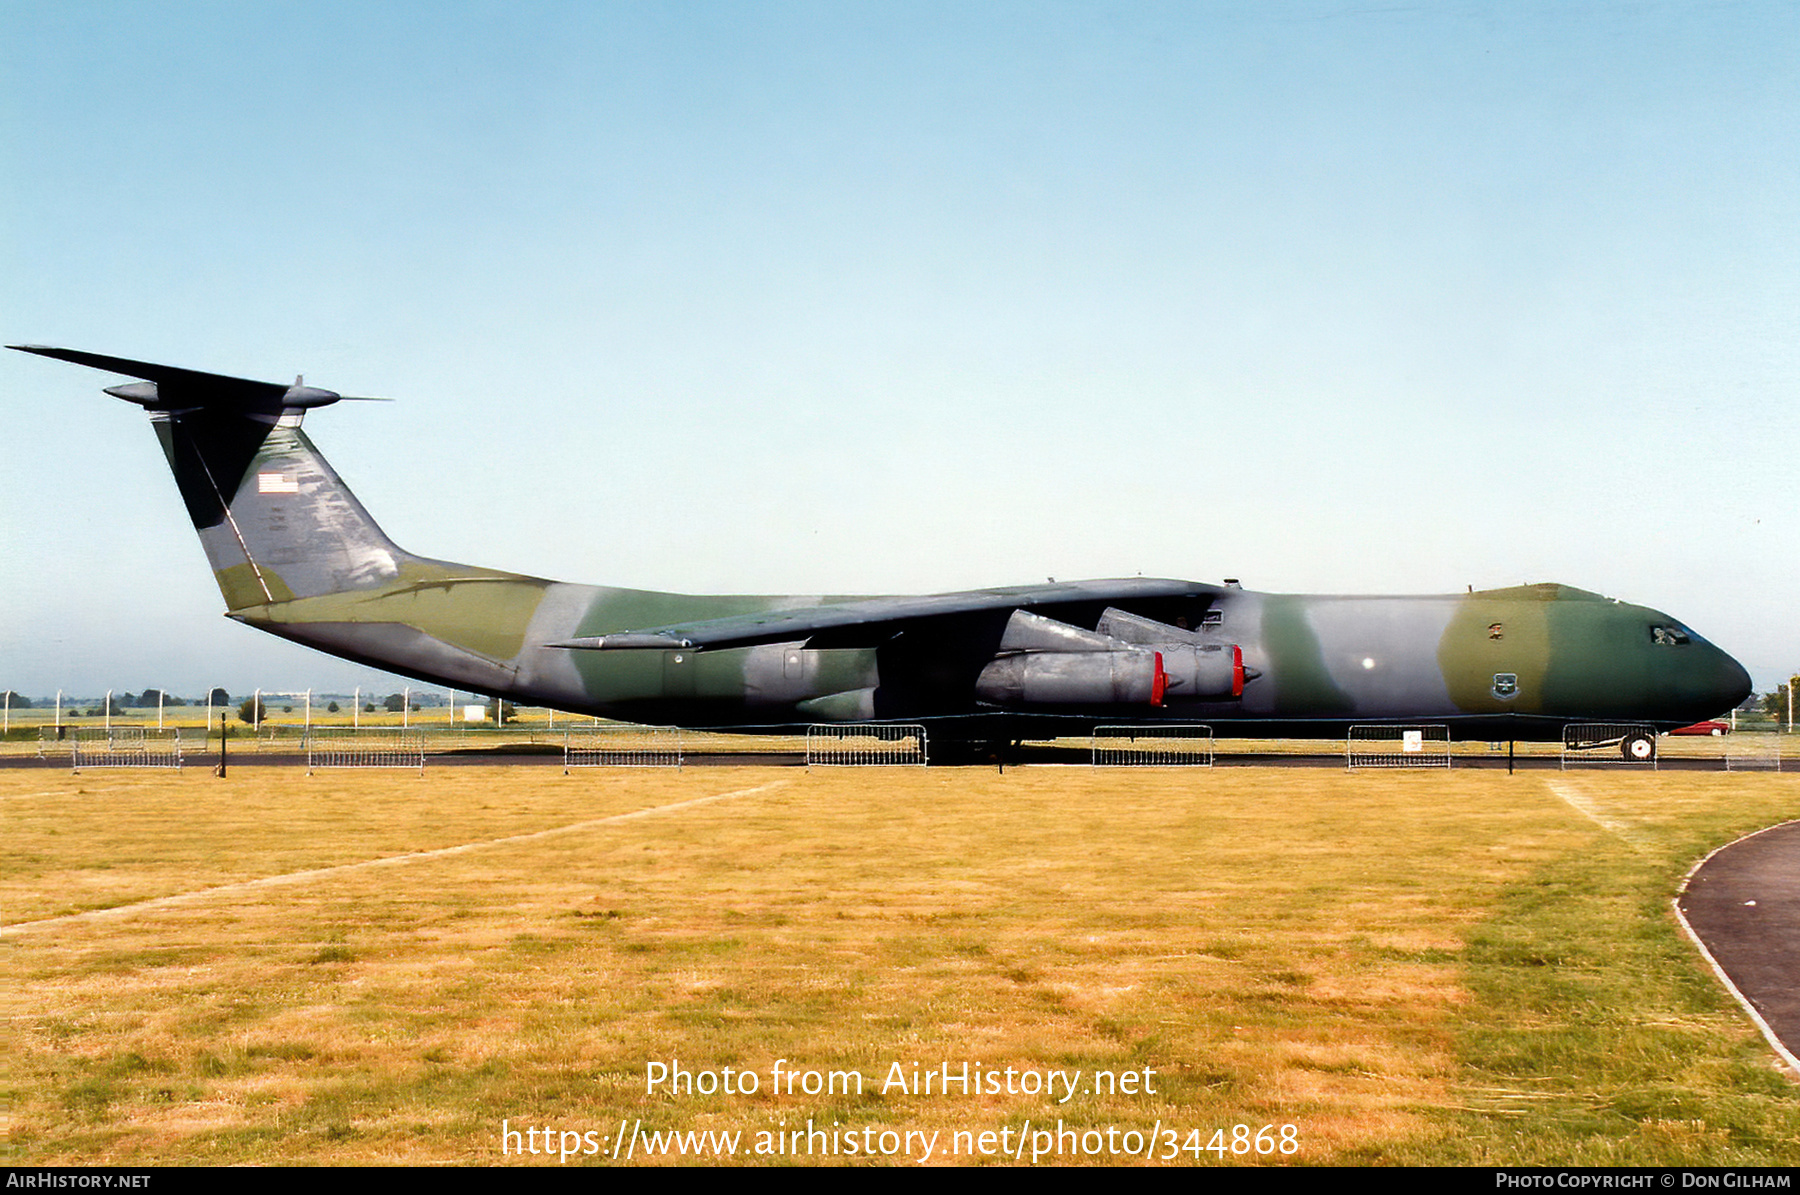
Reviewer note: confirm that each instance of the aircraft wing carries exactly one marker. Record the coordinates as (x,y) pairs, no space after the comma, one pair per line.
(866,622)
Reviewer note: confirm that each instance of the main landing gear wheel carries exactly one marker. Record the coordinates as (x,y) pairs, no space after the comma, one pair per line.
(1638,748)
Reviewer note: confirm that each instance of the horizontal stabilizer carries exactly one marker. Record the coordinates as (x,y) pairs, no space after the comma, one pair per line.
(171,388)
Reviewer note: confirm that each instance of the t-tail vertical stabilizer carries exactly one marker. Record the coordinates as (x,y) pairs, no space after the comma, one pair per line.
(293,550)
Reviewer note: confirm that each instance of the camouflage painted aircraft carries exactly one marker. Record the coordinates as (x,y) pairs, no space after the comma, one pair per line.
(295,554)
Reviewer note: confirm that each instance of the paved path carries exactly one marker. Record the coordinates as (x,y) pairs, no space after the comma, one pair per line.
(1743,904)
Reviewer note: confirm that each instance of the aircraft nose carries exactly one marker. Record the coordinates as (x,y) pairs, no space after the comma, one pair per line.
(1720,683)
(1737,686)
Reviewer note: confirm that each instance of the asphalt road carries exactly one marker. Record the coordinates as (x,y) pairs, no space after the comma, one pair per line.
(1744,905)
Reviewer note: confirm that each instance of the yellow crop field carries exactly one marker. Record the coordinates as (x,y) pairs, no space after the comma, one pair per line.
(743,965)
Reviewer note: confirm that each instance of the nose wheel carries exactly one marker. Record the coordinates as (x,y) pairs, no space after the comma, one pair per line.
(1638,748)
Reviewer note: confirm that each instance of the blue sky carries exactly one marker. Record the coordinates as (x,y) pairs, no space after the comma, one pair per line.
(901,298)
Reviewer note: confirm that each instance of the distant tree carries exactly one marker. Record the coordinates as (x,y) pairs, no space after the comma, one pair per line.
(252,711)
(393,703)
(502,711)
(368,707)
(1775,703)
(14,701)
(117,703)
(150,698)
(332,708)
(218,697)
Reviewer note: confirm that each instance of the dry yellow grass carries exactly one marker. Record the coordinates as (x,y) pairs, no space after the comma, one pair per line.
(378,968)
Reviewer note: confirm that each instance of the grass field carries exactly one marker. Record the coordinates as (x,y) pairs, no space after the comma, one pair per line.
(1460,967)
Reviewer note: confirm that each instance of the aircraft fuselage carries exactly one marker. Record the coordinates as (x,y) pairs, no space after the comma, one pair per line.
(1514,663)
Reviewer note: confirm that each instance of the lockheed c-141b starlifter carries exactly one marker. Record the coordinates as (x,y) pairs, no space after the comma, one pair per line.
(295,554)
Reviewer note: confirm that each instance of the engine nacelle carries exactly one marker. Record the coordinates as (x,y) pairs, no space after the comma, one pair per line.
(1130,677)
(1214,672)
(1045,662)
(1073,678)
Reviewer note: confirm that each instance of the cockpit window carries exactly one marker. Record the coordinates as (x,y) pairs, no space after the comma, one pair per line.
(1665,635)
